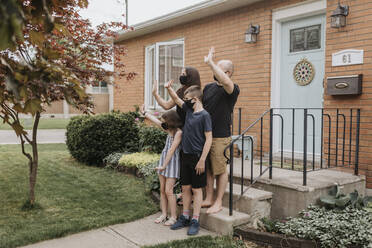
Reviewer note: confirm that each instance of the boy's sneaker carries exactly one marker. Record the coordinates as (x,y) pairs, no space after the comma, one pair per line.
(181,223)
(194,227)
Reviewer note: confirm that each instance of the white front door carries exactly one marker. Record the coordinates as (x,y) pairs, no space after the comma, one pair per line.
(302,59)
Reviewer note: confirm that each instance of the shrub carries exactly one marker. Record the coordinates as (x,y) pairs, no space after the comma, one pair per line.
(152,139)
(337,199)
(139,159)
(332,228)
(92,138)
(112,160)
(151,177)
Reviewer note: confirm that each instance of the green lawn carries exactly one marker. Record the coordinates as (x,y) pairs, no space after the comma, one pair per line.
(73,197)
(45,123)
(207,242)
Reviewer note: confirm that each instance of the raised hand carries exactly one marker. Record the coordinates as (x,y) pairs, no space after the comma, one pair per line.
(142,109)
(169,84)
(155,87)
(208,59)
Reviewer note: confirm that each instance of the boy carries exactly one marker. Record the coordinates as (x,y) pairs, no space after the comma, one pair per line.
(196,143)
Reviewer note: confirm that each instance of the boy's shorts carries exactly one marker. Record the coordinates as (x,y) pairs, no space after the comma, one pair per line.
(188,172)
(217,161)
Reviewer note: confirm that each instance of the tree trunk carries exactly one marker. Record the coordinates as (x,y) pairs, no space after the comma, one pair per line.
(35,160)
(32,176)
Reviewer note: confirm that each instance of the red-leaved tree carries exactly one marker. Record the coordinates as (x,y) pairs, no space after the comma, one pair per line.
(49,53)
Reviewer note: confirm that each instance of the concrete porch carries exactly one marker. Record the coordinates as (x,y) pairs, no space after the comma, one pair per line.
(289,194)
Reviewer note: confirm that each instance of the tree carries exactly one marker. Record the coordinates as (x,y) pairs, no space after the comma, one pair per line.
(48,53)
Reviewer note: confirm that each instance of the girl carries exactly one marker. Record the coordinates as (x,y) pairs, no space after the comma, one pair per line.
(169,164)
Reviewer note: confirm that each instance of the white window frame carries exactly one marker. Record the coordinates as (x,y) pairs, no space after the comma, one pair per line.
(100,89)
(148,88)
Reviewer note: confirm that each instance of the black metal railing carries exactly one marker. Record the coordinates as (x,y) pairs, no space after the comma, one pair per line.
(291,128)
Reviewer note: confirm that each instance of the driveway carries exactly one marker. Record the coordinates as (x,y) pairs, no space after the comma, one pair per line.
(44,136)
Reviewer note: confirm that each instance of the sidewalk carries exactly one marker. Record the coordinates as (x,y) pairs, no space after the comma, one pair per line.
(44,136)
(134,234)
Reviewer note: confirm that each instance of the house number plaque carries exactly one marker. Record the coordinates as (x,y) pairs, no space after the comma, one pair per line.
(348,57)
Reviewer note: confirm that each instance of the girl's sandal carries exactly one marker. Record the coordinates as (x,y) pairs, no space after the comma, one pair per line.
(161,219)
(170,222)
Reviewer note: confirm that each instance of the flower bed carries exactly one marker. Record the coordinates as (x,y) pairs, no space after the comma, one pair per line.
(332,228)
(131,163)
(342,221)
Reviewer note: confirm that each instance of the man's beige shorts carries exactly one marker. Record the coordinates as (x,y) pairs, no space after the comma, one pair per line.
(217,159)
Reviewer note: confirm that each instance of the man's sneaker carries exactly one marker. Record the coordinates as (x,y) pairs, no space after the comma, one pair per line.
(194,227)
(181,223)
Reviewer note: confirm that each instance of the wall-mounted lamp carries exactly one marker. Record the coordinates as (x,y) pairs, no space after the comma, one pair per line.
(338,17)
(251,34)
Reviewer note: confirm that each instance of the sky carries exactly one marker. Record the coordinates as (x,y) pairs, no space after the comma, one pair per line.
(139,10)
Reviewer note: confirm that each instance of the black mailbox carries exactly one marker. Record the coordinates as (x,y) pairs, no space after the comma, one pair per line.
(347,85)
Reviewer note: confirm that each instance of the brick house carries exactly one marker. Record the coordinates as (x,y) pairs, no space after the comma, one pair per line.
(299,60)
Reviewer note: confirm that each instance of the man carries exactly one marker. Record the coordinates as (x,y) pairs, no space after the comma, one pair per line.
(219,99)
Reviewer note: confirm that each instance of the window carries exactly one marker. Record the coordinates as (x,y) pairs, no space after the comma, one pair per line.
(99,87)
(303,39)
(164,61)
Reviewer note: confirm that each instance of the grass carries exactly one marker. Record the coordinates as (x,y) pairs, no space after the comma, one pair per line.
(45,123)
(207,242)
(72,197)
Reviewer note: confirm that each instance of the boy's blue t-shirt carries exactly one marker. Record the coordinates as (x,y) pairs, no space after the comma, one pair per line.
(193,132)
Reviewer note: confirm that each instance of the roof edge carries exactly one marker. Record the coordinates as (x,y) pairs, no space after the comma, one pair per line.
(188,14)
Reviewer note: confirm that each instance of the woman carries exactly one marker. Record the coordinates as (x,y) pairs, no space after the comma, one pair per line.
(189,76)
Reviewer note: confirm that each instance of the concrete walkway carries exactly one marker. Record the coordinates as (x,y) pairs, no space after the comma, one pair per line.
(134,234)
(44,136)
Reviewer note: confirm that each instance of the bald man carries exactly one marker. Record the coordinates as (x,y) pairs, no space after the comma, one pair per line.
(219,99)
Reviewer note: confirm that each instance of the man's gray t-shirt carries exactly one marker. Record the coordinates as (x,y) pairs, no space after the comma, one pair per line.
(193,132)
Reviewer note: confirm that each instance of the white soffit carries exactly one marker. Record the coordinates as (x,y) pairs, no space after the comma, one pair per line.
(195,12)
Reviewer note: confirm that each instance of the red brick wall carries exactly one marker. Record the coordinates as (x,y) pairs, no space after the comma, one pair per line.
(253,61)
(356,35)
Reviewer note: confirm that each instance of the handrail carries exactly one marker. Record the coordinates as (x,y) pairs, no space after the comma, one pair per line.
(244,132)
(324,115)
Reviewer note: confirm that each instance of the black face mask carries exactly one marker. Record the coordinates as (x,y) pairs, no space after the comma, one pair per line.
(183,79)
(189,103)
(164,125)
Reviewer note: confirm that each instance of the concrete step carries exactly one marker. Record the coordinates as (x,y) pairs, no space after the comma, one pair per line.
(290,196)
(255,202)
(221,222)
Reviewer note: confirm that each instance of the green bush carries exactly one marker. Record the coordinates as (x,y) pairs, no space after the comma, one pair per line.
(91,138)
(337,199)
(138,159)
(152,139)
(112,160)
(151,177)
(332,228)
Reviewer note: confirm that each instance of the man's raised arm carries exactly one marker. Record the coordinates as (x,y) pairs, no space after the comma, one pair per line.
(221,75)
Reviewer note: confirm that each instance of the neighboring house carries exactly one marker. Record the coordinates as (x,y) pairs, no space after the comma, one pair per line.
(102,94)
(290,65)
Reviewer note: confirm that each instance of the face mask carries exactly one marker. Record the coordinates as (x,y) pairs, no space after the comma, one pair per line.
(164,125)
(189,103)
(183,79)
